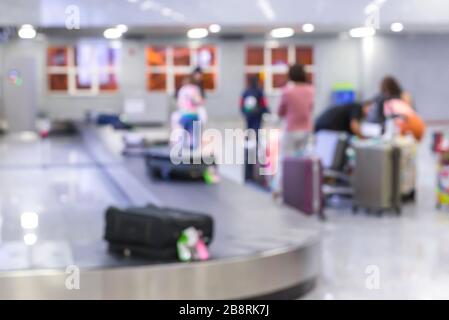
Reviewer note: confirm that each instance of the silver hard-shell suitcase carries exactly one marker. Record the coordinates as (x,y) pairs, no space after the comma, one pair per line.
(376,177)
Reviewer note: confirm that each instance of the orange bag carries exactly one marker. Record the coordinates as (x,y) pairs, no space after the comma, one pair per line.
(411,121)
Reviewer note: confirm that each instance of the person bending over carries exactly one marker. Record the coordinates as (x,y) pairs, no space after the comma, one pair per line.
(346,118)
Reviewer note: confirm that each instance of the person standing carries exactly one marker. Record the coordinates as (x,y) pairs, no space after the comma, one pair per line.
(389,89)
(253,104)
(296,108)
(189,101)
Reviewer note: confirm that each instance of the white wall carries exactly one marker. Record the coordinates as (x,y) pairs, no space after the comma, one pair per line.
(420,63)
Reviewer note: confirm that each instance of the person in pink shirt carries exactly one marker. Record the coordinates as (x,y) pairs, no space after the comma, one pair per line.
(296,109)
(189,102)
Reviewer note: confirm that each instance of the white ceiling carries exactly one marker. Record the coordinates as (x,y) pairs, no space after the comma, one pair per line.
(325,14)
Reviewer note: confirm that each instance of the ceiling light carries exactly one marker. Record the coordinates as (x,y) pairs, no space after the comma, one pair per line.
(197,33)
(215,28)
(122,28)
(112,33)
(308,27)
(362,32)
(282,32)
(397,27)
(29,220)
(27,32)
(133,1)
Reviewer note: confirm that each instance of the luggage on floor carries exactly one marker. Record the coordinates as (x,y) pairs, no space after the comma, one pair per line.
(302,184)
(437,139)
(408,149)
(267,158)
(190,165)
(136,143)
(113,120)
(152,232)
(330,147)
(376,178)
(253,165)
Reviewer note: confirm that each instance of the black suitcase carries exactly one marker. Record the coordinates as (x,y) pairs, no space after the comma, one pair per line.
(151,231)
(160,165)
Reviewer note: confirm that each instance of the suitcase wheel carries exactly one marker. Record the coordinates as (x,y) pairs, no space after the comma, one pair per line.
(355,209)
(398,211)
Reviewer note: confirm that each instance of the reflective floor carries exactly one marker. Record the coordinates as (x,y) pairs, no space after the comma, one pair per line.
(363,256)
(409,254)
(50,197)
(54,192)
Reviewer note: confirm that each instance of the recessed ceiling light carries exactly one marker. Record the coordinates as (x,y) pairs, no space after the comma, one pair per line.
(197,33)
(215,28)
(133,1)
(27,32)
(122,28)
(29,220)
(397,27)
(112,33)
(282,32)
(308,27)
(362,32)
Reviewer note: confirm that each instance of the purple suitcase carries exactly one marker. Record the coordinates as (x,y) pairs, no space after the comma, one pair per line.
(302,184)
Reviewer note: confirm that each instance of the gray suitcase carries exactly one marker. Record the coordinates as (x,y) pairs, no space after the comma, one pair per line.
(376,177)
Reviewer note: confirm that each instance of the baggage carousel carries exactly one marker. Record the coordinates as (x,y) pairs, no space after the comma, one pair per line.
(260,249)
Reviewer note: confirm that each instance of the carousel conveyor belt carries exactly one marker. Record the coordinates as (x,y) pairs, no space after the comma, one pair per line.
(260,249)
